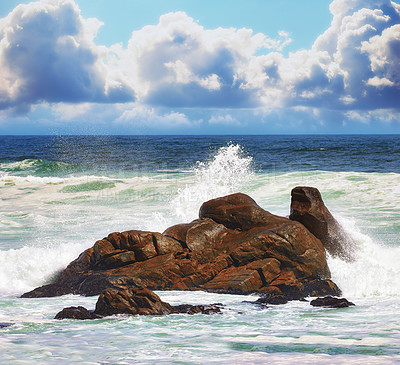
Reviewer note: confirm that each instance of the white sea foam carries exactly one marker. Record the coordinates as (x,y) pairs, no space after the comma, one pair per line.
(375,270)
(227,172)
(28,267)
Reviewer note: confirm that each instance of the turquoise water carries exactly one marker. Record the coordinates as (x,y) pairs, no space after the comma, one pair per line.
(58,196)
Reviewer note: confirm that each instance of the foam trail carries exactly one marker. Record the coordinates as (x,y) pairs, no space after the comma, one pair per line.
(226,173)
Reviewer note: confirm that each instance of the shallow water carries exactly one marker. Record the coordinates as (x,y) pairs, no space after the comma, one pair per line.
(60,195)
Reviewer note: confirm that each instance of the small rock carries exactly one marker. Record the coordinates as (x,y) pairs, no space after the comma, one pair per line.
(270,298)
(331,302)
(5,325)
(195,309)
(76,313)
(308,208)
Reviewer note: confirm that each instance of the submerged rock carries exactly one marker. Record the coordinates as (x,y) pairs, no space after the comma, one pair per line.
(331,302)
(5,325)
(234,247)
(308,208)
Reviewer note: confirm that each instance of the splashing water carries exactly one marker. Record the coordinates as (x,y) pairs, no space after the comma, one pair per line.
(375,270)
(228,171)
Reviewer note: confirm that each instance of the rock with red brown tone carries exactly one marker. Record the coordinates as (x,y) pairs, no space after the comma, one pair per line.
(308,208)
(234,247)
(238,211)
(133,301)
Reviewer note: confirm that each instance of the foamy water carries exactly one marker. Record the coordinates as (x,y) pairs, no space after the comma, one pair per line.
(46,221)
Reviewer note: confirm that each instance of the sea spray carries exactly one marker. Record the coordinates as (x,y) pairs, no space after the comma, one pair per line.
(28,267)
(227,172)
(375,270)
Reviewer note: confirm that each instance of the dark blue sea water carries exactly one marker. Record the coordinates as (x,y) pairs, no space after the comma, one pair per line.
(361,153)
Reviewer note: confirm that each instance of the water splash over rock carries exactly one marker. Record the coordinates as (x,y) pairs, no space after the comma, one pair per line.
(234,247)
(224,174)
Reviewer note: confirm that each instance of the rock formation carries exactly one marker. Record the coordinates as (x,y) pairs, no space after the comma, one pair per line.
(308,208)
(234,247)
(133,301)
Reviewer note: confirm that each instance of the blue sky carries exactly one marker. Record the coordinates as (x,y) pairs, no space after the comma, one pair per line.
(199,67)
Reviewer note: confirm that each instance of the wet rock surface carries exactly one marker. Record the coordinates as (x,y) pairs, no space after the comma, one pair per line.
(308,208)
(276,296)
(234,247)
(131,301)
(134,301)
(76,313)
(6,325)
(331,302)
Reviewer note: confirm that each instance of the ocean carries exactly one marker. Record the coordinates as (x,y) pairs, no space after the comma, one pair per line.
(60,194)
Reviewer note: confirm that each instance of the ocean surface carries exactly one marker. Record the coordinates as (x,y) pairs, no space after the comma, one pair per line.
(58,195)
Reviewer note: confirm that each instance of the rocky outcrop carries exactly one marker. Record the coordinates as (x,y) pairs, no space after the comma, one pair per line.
(331,302)
(234,247)
(133,301)
(308,208)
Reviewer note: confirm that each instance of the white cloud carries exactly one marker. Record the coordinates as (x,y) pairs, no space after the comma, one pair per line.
(384,55)
(226,119)
(47,54)
(183,75)
(380,115)
(179,63)
(144,115)
(380,83)
(353,65)
(65,111)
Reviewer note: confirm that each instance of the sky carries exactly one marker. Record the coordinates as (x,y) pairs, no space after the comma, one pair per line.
(199,67)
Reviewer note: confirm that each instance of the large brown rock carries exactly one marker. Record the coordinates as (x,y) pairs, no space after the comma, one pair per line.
(234,247)
(308,208)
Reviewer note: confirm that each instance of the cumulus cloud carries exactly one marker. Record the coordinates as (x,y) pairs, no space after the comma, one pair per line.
(381,115)
(353,65)
(226,119)
(144,115)
(65,111)
(47,54)
(178,63)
